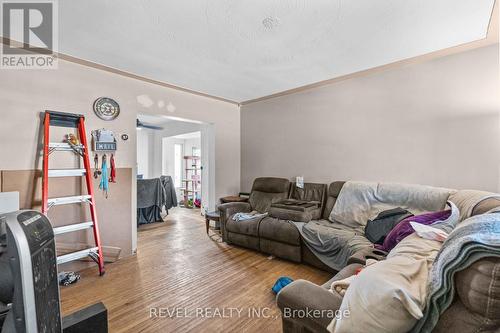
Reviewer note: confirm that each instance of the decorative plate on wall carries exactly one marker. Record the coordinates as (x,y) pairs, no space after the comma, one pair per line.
(106,108)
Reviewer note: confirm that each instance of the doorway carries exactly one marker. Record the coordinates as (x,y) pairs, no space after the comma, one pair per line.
(182,149)
(181,158)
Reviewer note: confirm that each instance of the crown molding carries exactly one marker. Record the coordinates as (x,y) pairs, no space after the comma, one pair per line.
(117,71)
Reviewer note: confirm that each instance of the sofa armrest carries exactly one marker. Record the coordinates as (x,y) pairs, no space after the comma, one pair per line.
(346,272)
(305,304)
(476,304)
(288,214)
(362,255)
(478,287)
(227,210)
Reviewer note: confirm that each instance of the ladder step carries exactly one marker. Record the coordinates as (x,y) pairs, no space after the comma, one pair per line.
(66,172)
(73,227)
(64,119)
(63,146)
(68,200)
(76,255)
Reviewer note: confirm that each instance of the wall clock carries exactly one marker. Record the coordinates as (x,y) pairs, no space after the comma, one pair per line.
(106,108)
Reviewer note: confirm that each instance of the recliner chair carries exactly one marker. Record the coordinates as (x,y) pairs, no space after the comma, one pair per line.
(265,191)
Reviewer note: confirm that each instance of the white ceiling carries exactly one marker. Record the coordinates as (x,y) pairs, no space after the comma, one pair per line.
(242,49)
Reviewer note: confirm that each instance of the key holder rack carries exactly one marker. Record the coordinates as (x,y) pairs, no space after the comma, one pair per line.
(103,140)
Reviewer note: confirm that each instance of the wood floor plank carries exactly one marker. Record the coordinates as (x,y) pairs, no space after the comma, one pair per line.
(178,266)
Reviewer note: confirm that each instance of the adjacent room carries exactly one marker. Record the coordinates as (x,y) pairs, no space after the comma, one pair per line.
(235,166)
(169,156)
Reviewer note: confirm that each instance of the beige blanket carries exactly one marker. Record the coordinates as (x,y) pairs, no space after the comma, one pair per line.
(389,296)
(359,202)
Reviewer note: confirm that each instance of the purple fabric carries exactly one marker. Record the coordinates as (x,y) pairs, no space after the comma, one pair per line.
(404,229)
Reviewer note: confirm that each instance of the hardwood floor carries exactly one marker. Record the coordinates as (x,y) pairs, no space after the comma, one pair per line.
(179,268)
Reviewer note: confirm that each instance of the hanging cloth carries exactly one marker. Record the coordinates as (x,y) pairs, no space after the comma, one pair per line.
(97,172)
(104,185)
(112,176)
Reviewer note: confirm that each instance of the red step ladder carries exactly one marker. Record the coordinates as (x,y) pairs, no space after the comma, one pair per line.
(61,119)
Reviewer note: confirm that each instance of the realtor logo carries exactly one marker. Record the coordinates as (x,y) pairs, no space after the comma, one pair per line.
(30,34)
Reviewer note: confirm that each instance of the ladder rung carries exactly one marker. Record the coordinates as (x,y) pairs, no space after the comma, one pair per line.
(75,255)
(72,227)
(68,200)
(66,172)
(63,146)
(64,119)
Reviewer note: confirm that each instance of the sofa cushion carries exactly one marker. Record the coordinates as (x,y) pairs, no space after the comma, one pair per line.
(250,242)
(279,230)
(271,185)
(246,227)
(261,201)
(310,192)
(266,190)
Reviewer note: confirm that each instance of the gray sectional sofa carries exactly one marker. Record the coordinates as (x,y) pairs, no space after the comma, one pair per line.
(476,307)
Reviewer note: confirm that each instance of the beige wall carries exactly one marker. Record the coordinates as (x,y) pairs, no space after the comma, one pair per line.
(73,88)
(114,214)
(434,123)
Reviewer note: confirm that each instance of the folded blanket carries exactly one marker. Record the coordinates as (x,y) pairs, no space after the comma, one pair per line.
(248,216)
(473,239)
